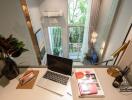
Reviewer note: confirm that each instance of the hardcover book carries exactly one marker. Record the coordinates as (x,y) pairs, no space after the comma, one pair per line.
(88,84)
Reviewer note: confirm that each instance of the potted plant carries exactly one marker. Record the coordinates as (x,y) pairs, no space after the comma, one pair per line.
(10,48)
(56,51)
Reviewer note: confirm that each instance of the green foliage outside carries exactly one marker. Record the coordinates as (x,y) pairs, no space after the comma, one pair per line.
(76,34)
(77,12)
(55,33)
(76,19)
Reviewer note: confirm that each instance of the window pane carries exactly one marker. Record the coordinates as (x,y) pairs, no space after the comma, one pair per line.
(75,42)
(77,10)
(55,40)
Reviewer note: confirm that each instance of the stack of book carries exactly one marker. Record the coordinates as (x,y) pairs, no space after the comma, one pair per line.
(88,84)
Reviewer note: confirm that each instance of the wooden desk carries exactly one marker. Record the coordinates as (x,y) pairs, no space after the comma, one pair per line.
(11,93)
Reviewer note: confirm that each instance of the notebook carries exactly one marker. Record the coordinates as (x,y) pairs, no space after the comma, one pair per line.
(58,72)
(88,84)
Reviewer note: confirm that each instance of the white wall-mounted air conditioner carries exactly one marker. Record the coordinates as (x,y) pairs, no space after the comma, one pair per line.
(52,13)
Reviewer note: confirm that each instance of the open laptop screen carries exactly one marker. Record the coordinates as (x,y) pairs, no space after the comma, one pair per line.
(59,64)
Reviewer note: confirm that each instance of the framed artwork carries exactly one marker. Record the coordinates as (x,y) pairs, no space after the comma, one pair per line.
(40,41)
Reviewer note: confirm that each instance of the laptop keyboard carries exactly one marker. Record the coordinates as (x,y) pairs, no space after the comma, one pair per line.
(56,77)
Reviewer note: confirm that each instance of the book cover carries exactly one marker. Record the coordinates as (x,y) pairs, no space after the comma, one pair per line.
(87,88)
(88,84)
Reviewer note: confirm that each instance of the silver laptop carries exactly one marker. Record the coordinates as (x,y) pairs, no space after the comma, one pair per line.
(57,75)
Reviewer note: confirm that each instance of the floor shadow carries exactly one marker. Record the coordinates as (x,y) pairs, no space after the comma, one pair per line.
(4,81)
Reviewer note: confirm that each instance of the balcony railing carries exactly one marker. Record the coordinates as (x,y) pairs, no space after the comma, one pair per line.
(75,50)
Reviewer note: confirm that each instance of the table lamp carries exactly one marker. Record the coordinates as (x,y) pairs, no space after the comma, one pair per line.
(114,71)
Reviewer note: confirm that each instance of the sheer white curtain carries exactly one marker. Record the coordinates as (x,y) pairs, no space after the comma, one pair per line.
(90,24)
(95,7)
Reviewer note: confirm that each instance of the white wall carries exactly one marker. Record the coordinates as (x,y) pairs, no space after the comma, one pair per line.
(104,12)
(55,5)
(33,7)
(126,60)
(106,16)
(119,27)
(35,16)
(12,21)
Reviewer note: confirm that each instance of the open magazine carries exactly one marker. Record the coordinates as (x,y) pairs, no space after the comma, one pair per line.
(88,84)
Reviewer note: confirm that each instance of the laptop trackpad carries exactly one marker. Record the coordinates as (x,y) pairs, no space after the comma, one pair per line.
(52,86)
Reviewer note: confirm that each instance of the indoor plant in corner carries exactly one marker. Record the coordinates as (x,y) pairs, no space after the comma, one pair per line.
(10,48)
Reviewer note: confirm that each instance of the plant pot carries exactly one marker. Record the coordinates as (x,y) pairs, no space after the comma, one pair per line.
(10,70)
(2,64)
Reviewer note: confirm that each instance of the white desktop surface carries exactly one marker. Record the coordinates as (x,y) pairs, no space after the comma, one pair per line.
(11,93)
(110,93)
